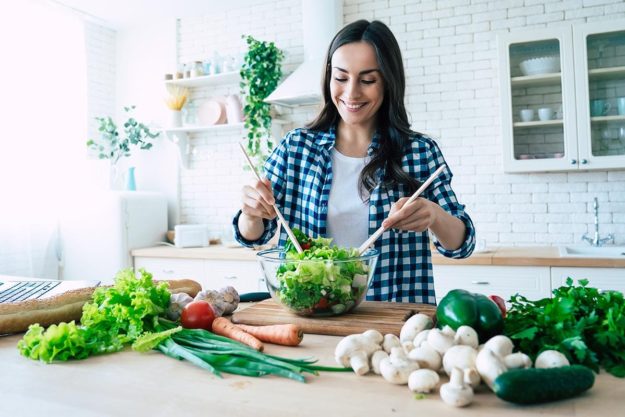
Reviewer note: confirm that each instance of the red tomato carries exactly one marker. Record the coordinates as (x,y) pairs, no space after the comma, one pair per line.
(198,315)
(322,304)
(305,245)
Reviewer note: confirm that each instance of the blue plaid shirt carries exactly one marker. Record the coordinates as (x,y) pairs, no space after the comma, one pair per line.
(300,171)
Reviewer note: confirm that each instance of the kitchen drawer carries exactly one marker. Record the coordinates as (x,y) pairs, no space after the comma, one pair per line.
(531,281)
(245,276)
(602,278)
(172,268)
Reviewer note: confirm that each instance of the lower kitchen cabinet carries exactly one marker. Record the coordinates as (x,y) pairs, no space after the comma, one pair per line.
(531,281)
(245,276)
(602,278)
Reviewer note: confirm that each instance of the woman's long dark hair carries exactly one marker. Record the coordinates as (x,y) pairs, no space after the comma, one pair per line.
(392,120)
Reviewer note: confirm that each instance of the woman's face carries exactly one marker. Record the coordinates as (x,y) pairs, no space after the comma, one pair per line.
(356,84)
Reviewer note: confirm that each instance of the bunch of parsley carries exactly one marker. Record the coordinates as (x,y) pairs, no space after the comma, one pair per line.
(585,324)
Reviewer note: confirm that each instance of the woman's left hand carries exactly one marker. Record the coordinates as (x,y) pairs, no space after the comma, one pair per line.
(417,216)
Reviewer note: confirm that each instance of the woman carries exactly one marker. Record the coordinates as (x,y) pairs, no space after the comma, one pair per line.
(356,165)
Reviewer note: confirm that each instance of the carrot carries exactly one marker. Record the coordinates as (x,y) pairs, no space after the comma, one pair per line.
(280,334)
(224,327)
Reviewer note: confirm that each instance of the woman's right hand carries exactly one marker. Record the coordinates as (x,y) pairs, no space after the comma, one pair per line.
(258,200)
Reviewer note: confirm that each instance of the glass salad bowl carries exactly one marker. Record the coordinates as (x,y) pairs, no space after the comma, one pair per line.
(317,287)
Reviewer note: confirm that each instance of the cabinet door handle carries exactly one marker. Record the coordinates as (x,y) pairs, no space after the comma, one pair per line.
(573,161)
(584,161)
(480,282)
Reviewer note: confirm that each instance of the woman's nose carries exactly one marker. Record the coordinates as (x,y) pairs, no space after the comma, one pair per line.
(353,89)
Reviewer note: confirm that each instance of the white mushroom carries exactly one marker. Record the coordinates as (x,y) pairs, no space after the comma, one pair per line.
(459,356)
(414,325)
(448,331)
(354,350)
(440,341)
(466,335)
(390,341)
(407,346)
(500,345)
(489,365)
(456,392)
(397,367)
(551,359)
(376,358)
(472,377)
(423,380)
(517,360)
(421,337)
(462,357)
(426,356)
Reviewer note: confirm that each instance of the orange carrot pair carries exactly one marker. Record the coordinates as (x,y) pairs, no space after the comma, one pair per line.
(253,336)
(224,327)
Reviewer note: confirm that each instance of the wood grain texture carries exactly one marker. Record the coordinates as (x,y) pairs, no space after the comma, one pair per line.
(386,317)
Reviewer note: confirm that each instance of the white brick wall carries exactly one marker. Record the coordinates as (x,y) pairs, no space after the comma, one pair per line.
(450,54)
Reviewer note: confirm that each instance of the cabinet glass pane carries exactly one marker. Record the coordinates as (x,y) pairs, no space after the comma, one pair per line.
(536,87)
(606,81)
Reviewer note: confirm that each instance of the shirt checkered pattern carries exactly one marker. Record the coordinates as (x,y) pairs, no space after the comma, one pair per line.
(300,170)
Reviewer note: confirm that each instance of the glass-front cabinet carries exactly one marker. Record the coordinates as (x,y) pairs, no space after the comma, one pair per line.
(559,105)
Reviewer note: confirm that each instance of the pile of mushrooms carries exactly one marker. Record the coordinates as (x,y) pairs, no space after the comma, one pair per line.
(421,353)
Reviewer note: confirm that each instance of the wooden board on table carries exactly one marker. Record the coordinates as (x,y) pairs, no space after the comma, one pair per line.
(386,317)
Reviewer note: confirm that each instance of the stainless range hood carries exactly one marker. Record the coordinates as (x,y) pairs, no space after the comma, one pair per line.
(321,20)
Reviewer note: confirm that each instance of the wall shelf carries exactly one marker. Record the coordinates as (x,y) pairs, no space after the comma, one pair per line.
(204,80)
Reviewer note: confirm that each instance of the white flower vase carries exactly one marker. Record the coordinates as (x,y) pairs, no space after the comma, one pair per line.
(116,179)
(175,118)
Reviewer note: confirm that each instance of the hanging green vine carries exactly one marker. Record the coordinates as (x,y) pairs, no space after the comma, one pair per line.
(260,73)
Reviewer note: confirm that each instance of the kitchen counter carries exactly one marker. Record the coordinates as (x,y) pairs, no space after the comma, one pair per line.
(129,383)
(505,256)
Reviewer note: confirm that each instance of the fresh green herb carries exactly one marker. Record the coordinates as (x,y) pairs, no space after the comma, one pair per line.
(321,285)
(585,324)
(117,315)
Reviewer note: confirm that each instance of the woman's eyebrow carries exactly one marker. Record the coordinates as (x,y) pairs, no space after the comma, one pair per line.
(367,71)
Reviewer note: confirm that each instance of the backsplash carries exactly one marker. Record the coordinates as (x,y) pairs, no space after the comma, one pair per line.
(450,53)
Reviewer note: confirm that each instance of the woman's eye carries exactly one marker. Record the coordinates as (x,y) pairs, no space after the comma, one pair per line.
(341,80)
(368,81)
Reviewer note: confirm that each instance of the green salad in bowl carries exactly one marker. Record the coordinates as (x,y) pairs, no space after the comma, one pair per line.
(324,280)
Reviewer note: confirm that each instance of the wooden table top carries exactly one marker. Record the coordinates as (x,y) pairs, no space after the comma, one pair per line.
(133,384)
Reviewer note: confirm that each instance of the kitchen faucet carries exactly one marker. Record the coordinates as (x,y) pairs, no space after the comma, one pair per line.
(596,240)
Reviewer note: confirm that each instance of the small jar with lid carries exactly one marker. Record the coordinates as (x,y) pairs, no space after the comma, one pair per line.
(197,69)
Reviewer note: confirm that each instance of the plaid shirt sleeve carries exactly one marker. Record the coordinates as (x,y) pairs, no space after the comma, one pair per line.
(441,193)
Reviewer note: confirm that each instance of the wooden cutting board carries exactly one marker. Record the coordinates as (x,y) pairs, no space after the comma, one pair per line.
(386,317)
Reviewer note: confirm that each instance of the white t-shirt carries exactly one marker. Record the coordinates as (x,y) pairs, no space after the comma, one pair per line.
(348,216)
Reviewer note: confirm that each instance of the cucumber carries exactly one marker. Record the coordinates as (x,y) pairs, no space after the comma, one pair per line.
(533,385)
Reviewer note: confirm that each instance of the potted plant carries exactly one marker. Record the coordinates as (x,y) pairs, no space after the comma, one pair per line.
(260,73)
(110,145)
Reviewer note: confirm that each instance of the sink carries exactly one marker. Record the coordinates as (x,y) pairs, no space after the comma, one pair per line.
(617,252)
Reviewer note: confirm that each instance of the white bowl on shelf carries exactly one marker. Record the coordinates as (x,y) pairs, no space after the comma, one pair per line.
(540,65)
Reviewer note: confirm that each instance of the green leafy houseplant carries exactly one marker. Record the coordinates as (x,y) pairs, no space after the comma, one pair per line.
(111,146)
(260,74)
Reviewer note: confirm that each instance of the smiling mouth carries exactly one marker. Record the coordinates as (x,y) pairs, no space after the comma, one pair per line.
(353,106)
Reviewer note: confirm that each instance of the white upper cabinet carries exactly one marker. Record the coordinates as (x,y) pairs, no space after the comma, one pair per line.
(549,79)
(600,91)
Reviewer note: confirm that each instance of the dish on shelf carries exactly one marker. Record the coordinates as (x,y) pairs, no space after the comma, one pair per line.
(211,112)
(540,65)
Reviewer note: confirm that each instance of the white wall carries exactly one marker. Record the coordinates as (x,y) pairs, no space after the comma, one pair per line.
(450,53)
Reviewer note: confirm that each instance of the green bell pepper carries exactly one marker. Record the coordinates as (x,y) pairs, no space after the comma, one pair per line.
(460,307)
